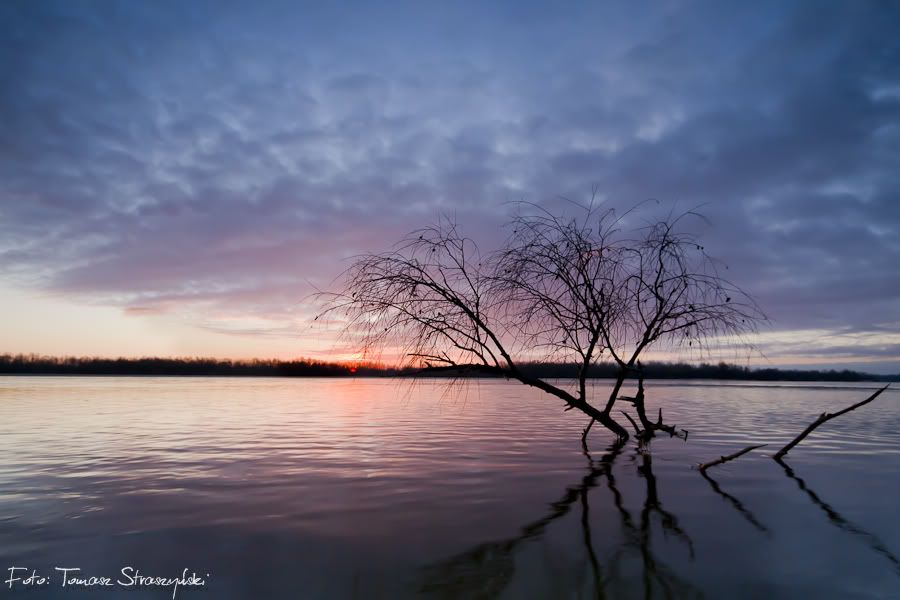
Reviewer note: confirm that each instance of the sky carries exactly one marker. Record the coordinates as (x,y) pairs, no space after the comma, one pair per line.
(177,177)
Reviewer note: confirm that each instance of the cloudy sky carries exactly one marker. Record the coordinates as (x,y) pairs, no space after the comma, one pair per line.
(175,176)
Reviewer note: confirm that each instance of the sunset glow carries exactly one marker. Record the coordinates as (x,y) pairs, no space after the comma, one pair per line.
(177,181)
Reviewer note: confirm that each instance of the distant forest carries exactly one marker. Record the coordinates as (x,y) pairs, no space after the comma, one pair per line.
(30,364)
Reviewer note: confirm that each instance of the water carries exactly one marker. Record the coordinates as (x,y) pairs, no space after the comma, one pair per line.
(365,488)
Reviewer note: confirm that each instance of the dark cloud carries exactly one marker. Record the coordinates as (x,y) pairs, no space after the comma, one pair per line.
(167,155)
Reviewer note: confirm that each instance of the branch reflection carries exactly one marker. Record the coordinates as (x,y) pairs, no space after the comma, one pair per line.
(737,504)
(486,570)
(834,517)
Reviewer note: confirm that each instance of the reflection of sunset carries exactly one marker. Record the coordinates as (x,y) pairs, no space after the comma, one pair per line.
(372,470)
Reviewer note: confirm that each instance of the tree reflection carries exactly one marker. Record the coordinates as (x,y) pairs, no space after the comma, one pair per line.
(737,504)
(487,569)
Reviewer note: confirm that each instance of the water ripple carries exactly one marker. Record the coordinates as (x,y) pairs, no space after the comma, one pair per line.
(379,483)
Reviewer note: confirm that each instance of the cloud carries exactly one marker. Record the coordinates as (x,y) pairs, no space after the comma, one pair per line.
(215,157)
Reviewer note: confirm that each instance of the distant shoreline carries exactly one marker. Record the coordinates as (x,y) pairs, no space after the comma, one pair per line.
(682,381)
(36,365)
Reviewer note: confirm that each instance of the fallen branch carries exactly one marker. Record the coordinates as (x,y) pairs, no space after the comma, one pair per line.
(824,417)
(724,459)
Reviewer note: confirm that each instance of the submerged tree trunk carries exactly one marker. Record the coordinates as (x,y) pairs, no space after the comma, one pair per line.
(648,427)
(513,372)
(641,409)
(606,420)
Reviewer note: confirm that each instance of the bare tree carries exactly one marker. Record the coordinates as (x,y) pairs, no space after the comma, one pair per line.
(581,290)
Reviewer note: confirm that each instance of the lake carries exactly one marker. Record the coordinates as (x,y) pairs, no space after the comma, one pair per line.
(381,488)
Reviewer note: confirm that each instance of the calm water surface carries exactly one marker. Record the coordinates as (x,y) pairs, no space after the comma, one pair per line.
(322,488)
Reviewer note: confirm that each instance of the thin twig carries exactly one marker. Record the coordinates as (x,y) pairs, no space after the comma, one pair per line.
(725,459)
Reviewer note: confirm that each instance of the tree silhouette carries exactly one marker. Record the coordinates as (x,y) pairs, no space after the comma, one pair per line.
(582,289)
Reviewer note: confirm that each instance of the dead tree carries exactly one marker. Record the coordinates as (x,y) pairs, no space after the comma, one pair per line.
(581,290)
(588,290)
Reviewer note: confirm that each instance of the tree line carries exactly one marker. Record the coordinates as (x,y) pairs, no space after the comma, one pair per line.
(34,364)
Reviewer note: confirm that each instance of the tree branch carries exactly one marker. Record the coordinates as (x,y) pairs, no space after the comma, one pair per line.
(724,459)
(824,418)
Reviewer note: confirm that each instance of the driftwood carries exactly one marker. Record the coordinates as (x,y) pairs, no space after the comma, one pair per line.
(724,459)
(824,417)
(778,456)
